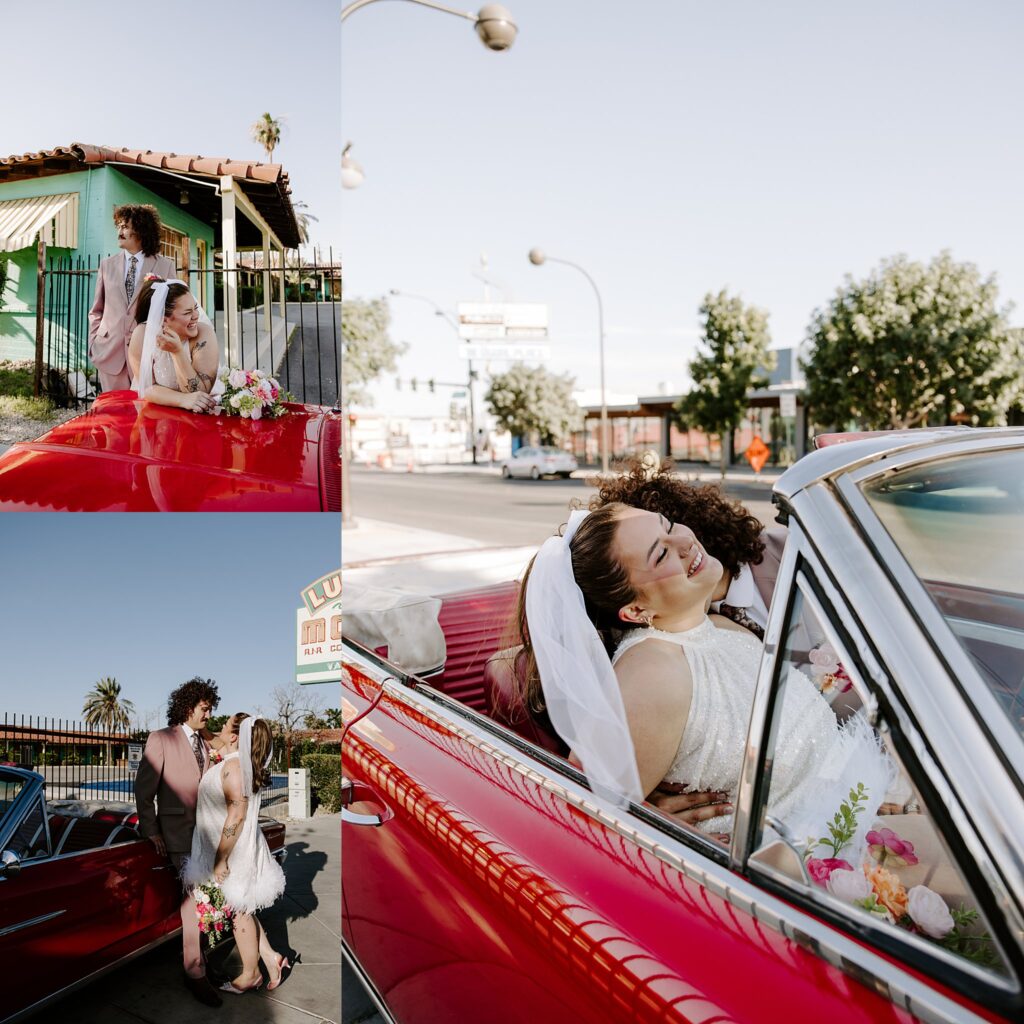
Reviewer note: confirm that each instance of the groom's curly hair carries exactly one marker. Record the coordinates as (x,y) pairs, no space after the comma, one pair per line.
(182,700)
(144,220)
(725,528)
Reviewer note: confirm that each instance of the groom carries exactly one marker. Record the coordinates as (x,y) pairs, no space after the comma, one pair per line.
(118,282)
(172,765)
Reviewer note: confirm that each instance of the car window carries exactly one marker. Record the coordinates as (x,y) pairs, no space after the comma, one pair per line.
(958,523)
(845,825)
(29,839)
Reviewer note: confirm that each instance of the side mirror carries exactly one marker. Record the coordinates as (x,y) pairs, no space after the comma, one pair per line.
(10,864)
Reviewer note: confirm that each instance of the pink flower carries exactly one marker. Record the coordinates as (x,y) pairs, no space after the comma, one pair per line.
(887,847)
(820,868)
(220,926)
(850,886)
(928,910)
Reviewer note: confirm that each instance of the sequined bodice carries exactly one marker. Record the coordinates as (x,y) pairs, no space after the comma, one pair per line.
(724,664)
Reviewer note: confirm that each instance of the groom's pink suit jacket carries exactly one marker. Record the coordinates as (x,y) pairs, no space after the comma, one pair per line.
(112,317)
(169,775)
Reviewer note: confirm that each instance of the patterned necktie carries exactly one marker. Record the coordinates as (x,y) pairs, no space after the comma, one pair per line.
(197,749)
(129,283)
(739,615)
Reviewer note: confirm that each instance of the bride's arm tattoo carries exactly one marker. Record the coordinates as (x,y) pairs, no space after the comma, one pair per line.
(192,384)
(205,377)
(230,830)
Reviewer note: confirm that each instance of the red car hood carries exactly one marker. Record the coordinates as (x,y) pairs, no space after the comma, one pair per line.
(130,456)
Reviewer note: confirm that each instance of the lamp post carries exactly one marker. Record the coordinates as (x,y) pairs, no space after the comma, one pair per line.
(494,24)
(538,258)
(453,324)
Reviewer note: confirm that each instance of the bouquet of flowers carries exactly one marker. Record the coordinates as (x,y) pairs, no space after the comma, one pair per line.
(876,888)
(213,913)
(252,394)
(215,757)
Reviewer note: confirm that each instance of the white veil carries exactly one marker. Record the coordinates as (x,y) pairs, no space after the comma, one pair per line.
(580,689)
(245,760)
(155,320)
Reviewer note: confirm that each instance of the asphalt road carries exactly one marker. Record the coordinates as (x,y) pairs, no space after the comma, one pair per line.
(487,508)
(310,371)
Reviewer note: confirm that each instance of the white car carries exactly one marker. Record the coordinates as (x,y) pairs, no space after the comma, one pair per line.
(537,462)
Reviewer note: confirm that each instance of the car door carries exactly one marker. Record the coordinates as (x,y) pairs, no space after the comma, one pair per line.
(521,461)
(65,916)
(928,892)
(483,881)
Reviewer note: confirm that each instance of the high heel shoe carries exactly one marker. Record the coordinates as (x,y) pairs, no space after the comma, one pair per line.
(229,986)
(282,966)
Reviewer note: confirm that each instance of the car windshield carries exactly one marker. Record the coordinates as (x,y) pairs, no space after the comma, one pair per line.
(10,786)
(550,450)
(959,523)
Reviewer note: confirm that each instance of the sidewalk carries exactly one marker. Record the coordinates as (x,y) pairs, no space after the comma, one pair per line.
(383,555)
(305,924)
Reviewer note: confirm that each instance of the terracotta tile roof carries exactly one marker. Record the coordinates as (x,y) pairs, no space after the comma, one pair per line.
(271,194)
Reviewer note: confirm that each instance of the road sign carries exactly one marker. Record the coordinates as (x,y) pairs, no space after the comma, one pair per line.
(499,350)
(134,756)
(787,404)
(757,454)
(487,321)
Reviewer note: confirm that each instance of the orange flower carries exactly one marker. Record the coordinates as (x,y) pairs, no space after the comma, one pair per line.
(889,890)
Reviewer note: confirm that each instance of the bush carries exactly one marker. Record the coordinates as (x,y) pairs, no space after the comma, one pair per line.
(47,757)
(325,775)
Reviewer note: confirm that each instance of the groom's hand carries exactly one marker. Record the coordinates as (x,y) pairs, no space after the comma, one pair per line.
(690,808)
(158,842)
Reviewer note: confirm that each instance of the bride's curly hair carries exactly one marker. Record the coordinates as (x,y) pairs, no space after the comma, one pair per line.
(723,526)
(262,746)
(188,696)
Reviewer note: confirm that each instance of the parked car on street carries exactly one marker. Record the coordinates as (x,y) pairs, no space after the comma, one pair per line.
(536,462)
(485,881)
(124,455)
(81,892)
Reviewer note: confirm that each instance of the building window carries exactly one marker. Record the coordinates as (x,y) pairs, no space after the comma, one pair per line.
(175,245)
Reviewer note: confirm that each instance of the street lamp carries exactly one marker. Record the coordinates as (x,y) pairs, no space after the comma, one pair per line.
(538,258)
(494,24)
(352,175)
(453,324)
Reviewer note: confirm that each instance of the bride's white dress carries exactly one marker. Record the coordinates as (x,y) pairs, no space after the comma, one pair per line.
(164,375)
(255,879)
(816,761)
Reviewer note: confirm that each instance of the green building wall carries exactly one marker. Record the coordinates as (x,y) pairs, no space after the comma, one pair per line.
(99,191)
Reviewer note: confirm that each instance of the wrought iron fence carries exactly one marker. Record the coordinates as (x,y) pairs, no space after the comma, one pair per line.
(287,323)
(84,762)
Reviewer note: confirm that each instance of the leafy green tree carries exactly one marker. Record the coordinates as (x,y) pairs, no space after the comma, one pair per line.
(531,401)
(368,351)
(105,708)
(736,338)
(267,132)
(913,344)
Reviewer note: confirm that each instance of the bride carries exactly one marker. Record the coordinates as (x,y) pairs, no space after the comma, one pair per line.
(229,849)
(173,353)
(676,706)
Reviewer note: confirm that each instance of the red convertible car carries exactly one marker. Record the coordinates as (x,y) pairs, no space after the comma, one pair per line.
(124,455)
(483,880)
(81,892)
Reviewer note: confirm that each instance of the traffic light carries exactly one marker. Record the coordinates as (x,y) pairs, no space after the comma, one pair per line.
(430,384)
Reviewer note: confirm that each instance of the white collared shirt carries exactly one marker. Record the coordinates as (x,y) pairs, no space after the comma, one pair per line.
(742,593)
(189,733)
(140,256)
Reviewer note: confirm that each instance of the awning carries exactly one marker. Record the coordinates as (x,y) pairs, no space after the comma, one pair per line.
(55,216)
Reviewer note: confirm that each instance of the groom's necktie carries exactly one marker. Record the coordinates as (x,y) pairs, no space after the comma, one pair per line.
(129,282)
(730,611)
(197,749)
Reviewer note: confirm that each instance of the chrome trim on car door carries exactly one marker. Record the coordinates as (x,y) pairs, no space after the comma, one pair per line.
(366,981)
(89,979)
(12,928)
(829,944)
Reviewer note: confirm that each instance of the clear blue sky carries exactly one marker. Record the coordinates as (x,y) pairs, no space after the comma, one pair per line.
(674,147)
(153,600)
(201,74)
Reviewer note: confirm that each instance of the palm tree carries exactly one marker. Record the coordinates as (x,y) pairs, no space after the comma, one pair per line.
(303,218)
(104,707)
(267,132)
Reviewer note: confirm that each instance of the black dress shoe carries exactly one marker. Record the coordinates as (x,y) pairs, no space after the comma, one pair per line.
(202,990)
